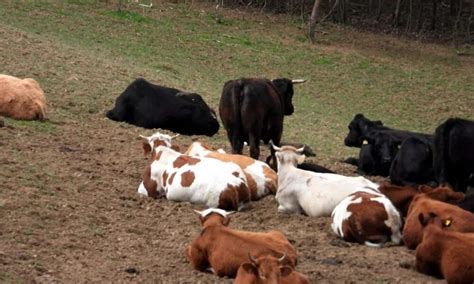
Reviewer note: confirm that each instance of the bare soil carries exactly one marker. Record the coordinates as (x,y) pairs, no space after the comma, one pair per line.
(69,211)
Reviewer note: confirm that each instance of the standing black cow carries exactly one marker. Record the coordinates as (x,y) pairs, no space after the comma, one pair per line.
(454,153)
(253,109)
(152,106)
(413,164)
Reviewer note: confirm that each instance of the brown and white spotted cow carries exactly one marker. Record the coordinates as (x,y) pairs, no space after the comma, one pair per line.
(367,218)
(261,179)
(198,180)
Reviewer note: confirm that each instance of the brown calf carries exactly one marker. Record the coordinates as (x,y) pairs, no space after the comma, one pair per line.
(266,270)
(445,253)
(21,98)
(224,250)
(461,220)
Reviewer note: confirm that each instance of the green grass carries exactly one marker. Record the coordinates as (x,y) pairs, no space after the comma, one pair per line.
(410,88)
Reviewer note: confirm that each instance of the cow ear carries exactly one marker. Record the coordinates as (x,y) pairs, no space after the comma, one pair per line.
(285,270)
(378,123)
(301,159)
(424,188)
(250,268)
(146,147)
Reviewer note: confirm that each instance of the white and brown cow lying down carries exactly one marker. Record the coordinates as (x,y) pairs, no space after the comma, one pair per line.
(21,98)
(261,179)
(445,253)
(268,269)
(367,218)
(197,180)
(314,194)
(223,250)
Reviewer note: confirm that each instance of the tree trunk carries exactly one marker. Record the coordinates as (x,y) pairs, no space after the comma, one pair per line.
(314,19)
(396,17)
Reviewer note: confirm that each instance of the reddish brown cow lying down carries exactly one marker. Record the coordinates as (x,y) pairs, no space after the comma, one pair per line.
(224,250)
(445,253)
(21,98)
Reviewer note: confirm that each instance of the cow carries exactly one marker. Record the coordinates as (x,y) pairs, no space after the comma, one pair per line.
(198,180)
(22,98)
(367,218)
(413,163)
(454,153)
(152,106)
(268,269)
(261,179)
(460,220)
(224,250)
(252,110)
(444,253)
(314,194)
(362,128)
(307,166)
(376,154)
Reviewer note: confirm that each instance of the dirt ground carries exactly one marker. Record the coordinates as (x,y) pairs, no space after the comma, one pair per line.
(69,211)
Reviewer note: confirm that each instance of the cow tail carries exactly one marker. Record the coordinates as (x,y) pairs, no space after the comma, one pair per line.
(440,151)
(237,97)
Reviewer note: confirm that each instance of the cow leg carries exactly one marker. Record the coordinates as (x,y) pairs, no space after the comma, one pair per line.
(254,142)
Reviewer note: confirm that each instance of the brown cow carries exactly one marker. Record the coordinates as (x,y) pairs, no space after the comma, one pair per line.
(268,269)
(21,98)
(253,109)
(402,196)
(224,250)
(461,220)
(445,253)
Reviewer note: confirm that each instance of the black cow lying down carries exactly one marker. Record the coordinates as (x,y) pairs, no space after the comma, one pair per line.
(453,159)
(379,144)
(151,106)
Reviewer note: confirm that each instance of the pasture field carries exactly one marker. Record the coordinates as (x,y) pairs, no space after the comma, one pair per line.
(68,204)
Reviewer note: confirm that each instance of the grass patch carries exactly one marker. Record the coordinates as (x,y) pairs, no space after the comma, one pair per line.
(127,16)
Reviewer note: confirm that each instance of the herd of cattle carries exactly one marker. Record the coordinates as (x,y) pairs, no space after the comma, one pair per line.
(427,205)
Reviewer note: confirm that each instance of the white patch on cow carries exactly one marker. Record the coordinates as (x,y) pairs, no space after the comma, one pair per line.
(341,214)
(394,221)
(142,190)
(255,170)
(220,150)
(211,178)
(208,211)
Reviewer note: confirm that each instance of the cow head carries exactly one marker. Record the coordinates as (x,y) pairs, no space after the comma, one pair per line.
(445,194)
(358,128)
(203,116)
(284,87)
(158,139)
(214,216)
(267,269)
(385,148)
(271,160)
(288,155)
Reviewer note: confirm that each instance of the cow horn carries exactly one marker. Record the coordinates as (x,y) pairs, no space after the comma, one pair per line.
(276,148)
(253,259)
(198,212)
(300,150)
(144,138)
(298,81)
(172,137)
(280,260)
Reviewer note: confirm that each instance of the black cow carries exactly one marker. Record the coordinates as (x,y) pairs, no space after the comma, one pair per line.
(307,166)
(253,109)
(376,154)
(413,164)
(151,106)
(361,128)
(453,158)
